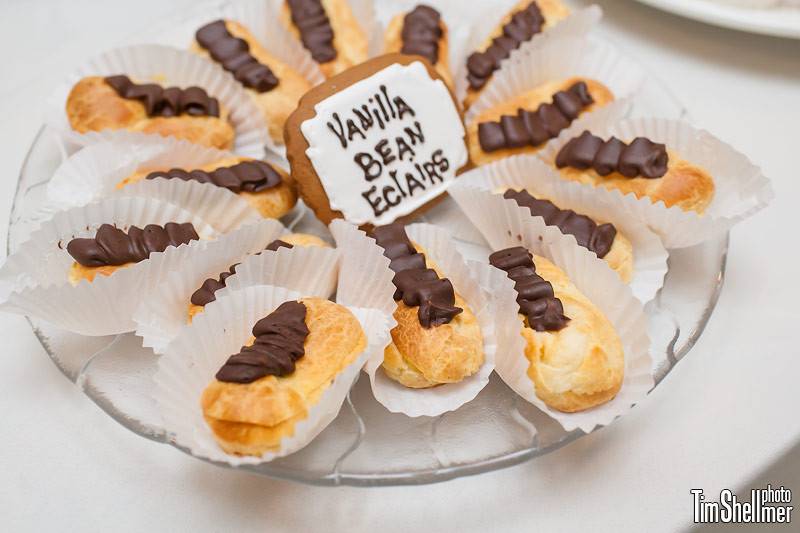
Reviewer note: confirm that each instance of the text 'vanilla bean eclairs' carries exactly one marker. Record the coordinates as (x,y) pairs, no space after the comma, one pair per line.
(416,284)
(170,102)
(535,295)
(379,110)
(279,340)
(111,246)
(533,128)
(377,142)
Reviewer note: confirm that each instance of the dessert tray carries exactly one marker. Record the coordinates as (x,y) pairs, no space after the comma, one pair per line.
(366,444)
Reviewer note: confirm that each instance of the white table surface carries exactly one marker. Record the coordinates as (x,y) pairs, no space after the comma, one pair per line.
(726,414)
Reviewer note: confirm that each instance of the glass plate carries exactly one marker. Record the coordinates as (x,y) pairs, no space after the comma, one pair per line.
(366,444)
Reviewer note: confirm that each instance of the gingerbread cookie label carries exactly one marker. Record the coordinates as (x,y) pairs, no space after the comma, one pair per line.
(387,144)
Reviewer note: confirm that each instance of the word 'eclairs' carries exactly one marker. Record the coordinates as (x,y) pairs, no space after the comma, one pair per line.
(392,155)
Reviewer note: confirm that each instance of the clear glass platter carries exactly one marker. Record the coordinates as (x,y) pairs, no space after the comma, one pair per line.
(367,445)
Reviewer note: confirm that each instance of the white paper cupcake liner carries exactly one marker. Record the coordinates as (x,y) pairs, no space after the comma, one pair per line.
(158,320)
(166,66)
(357,285)
(221,208)
(560,59)
(34,280)
(478,195)
(313,268)
(194,357)
(597,282)
(95,171)
(576,25)
(372,286)
(741,189)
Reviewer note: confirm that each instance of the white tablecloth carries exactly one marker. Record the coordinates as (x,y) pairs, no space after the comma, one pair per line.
(725,414)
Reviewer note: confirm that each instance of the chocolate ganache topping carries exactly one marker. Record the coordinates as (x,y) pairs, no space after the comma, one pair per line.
(597,239)
(206,293)
(533,128)
(248,176)
(315,28)
(524,24)
(279,343)
(416,284)
(535,295)
(111,246)
(277,243)
(421,33)
(170,102)
(234,55)
(642,157)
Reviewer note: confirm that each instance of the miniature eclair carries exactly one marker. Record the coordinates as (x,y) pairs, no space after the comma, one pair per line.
(262,392)
(524,124)
(329,31)
(603,239)
(275,87)
(112,248)
(99,103)
(437,339)
(642,167)
(576,357)
(526,19)
(423,32)
(267,188)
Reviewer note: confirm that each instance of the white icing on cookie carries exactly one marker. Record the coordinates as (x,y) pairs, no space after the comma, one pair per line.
(387,144)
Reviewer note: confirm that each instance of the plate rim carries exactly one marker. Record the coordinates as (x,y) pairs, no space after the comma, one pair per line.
(770,22)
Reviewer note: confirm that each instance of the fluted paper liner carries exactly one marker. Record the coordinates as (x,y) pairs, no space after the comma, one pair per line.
(366,281)
(577,24)
(166,66)
(560,59)
(158,320)
(474,192)
(371,284)
(741,189)
(314,268)
(34,280)
(221,208)
(595,279)
(95,171)
(92,172)
(194,357)
(310,269)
